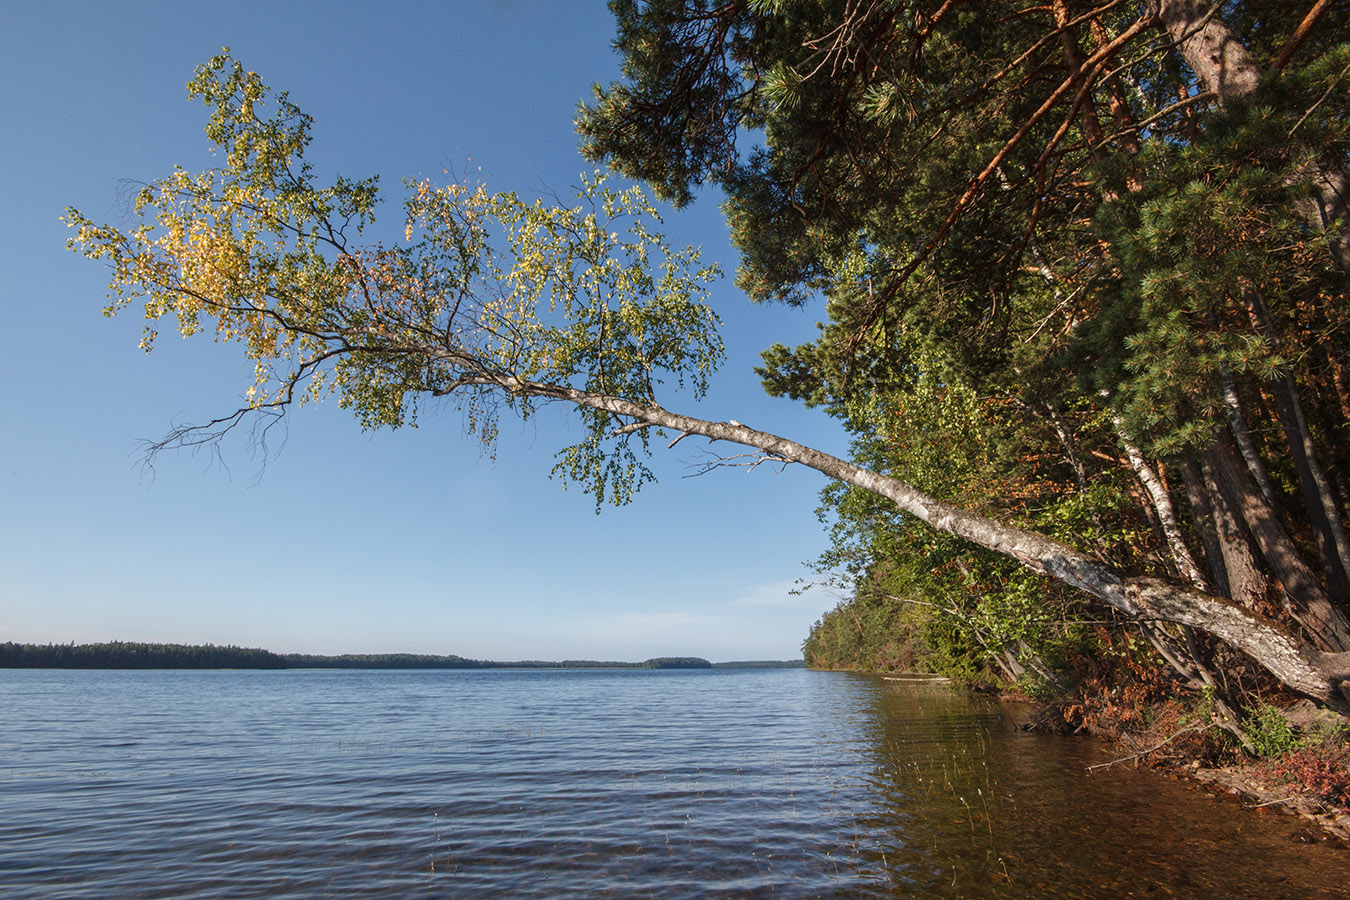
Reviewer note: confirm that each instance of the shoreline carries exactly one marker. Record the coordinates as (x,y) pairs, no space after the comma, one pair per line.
(1239,782)
(1255,797)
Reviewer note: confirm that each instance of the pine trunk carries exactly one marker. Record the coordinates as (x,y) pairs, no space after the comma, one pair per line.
(1202,517)
(1310,603)
(1246,583)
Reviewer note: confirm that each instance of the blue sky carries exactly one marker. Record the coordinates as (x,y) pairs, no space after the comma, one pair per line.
(341,540)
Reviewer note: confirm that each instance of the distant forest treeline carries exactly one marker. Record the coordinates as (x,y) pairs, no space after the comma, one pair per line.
(130,655)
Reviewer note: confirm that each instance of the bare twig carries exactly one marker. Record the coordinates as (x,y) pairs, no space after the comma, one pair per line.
(1106,765)
(747,461)
(1273,802)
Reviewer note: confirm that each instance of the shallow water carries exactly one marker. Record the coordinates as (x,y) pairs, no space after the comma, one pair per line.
(546,783)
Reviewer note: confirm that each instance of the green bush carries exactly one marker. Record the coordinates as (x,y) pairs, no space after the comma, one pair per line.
(1270,732)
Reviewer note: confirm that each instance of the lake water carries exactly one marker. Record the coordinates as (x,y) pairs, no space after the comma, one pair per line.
(570,784)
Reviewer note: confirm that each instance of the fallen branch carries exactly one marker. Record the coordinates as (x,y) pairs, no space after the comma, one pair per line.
(1133,756)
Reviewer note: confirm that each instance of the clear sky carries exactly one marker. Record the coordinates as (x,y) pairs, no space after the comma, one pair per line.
(341,540)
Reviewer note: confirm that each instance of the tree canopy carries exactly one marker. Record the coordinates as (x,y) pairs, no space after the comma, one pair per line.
(486,293)
(1108,239)
(1068,197)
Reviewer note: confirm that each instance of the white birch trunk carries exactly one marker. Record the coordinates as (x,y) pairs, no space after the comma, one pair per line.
(1167,517)
(1296,664)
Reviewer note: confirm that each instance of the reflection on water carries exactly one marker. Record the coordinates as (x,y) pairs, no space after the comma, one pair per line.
(591,784)
(1003,813)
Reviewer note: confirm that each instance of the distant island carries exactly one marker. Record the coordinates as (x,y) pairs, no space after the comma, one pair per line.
(133,655)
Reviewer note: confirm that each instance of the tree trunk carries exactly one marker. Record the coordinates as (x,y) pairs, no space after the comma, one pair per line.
(1087,113)
(1246,526)
(1066,441)
(1296,664)
(1323,516)
(1246,583)
(1214,54)
(1329,627)
(1339,380)
(1120,107)
(1317,499)
(1330,205)
(1238,423)
(1175,655)
(1202,516)
(1167,517)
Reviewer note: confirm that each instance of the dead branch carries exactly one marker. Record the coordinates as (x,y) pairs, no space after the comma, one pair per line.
(1133,756)
(747,461)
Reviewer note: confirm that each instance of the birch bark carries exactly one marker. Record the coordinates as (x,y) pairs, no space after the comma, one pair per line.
(1298,665)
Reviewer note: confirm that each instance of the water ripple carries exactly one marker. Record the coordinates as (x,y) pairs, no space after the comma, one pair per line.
(782,784)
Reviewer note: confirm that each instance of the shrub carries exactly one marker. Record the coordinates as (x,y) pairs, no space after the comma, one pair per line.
(1321,771)
(1270,732)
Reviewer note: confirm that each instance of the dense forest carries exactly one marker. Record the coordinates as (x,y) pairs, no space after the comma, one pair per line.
(131,655)
(1085,270)
(1082,270)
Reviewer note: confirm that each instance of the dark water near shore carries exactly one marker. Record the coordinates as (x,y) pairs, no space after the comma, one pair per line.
(670,784)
